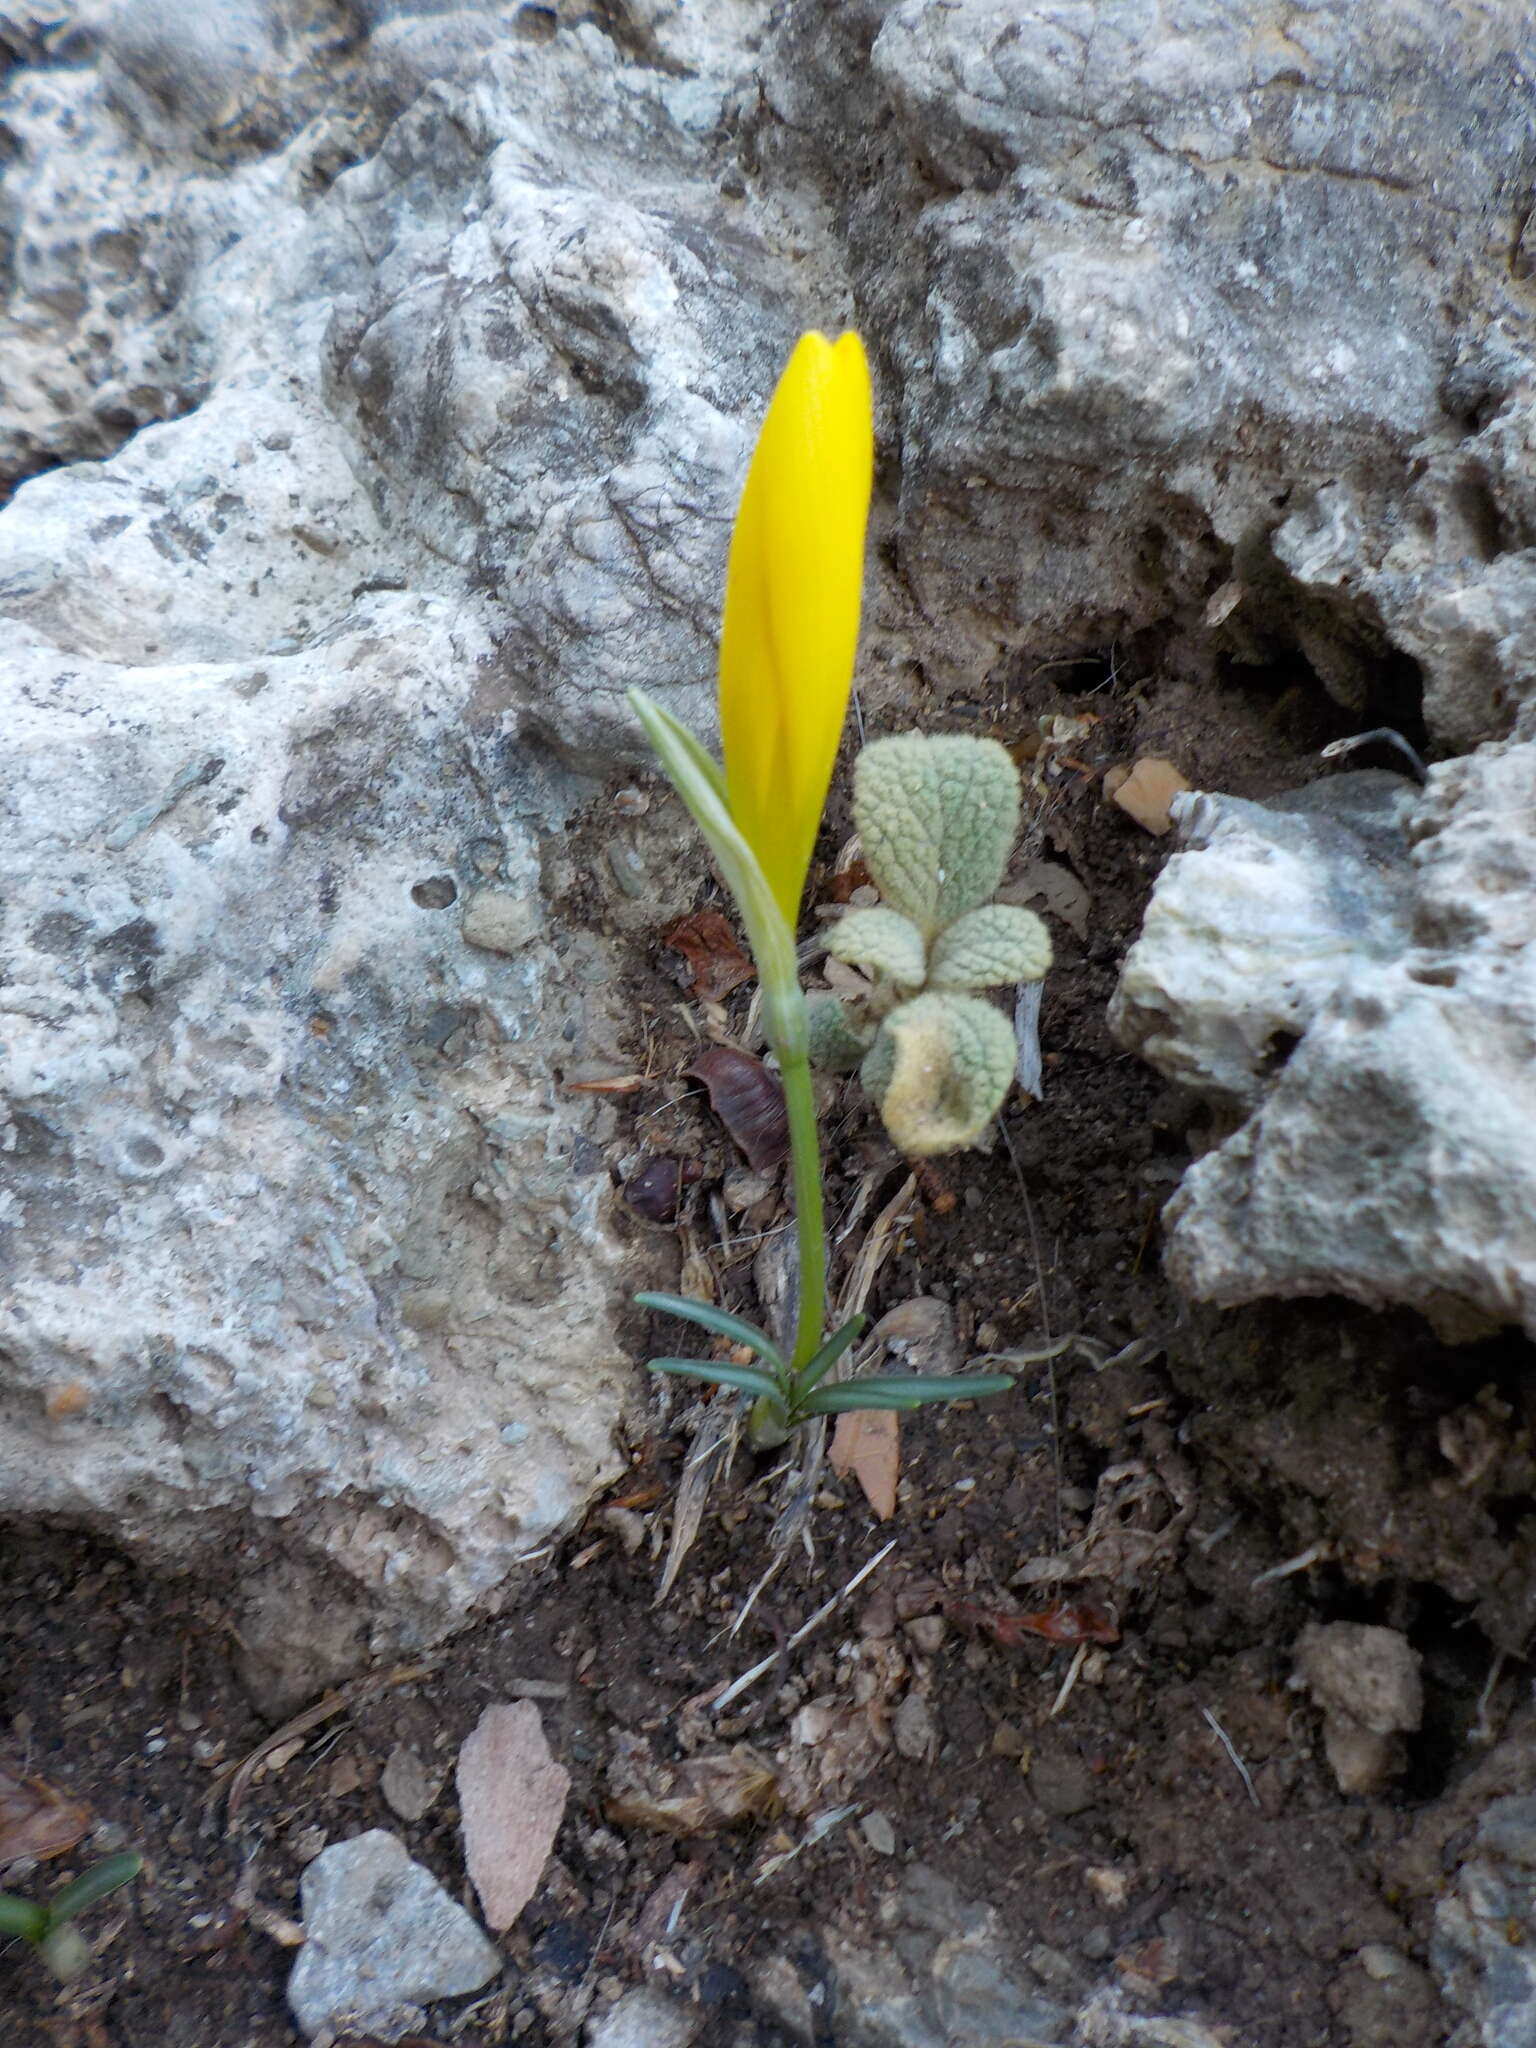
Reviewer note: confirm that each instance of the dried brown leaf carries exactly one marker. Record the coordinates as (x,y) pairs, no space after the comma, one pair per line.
(1054,888)
(748,1098)
(867,1443)
(36,1821)
(713,953)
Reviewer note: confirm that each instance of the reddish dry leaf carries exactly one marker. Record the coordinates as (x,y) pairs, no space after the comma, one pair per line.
(748,1099)
(713,952)
(1059,1623)
(36,1821)
(855,876)
(867,1443)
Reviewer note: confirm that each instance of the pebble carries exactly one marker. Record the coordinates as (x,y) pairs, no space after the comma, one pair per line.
(498,921)
(877,1831)
(1366,1682)
(1063,1784)
(644,2019)
(915,1730)
(382,1940)
(408,1786)
(927,1632)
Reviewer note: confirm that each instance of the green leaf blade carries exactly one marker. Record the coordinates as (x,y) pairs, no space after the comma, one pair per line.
(746,1378)
(911,1391)
(21,1917)
(719,1322)
(93,1884)
(816,1369)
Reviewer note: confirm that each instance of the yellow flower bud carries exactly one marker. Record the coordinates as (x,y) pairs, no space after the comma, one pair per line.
(793,589)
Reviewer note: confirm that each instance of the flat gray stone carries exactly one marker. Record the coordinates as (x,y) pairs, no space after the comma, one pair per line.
(382,1940)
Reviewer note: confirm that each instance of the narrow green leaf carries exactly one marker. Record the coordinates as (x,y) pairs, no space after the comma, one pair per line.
(955,1386)
(848,1394)
(719,1322)
(746,1377)
(817,1368)
(91,1885)
(21,1916)
(912,1391)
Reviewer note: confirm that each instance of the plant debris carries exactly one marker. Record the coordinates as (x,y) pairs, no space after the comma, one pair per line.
(695,1797)
(713,953)
(867,1443)
(35,1821)
(1061,1622)
(656,1188)
(748,1098)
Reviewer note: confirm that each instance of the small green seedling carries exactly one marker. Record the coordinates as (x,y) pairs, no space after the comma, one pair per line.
(784,1398)
(938,818)
(51,1930)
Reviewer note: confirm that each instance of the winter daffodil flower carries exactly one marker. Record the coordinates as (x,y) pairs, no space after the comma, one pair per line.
(792,593)
(787,646)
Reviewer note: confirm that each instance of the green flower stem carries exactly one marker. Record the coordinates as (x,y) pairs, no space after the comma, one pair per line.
(810,1232)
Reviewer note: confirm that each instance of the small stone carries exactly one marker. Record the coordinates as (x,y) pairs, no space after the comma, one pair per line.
(499,922)
(877,1831)
(644,2019)
(1110,1886)
(927,1632)
(1062,1783)
(915,1730)
(409,1788)
(512,1797)
(382,1940)
(1366,1682)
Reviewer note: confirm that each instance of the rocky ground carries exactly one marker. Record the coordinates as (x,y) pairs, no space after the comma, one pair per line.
(376,384)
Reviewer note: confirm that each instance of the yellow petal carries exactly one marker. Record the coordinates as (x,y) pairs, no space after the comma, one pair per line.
(791,625)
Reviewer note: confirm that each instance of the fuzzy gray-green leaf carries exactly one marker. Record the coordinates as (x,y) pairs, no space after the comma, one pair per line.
(990,948)
(938,817)
(946,1062)
(883,941)
(836,1040)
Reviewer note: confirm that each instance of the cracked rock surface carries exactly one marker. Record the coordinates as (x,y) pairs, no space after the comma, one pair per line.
(379,377)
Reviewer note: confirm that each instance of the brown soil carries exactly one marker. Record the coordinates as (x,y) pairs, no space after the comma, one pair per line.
(1120,1832)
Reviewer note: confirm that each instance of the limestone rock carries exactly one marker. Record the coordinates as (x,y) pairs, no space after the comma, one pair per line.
(1164,293)
(1481,1949)
(1388,1156)
(261,1099)
(1242,948)
(377,387)
(382,1939)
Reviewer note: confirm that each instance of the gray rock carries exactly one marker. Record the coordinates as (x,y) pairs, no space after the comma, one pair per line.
(947,1975)
(259,1100)
(1164,289)
(1482,1949)
(1388,1156)
(382,1939)
(1367,1683)
(417,373)
(1251,932)
(644,2019)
